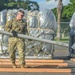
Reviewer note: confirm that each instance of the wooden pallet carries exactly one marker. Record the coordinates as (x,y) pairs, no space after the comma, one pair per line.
(35,70)
(35,60)
(35,65)
(73,59)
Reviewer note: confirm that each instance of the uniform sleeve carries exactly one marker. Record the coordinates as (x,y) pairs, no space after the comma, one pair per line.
(8,26)
(25,29)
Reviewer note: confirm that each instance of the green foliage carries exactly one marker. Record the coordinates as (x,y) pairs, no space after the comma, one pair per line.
(67,11)
(73,1)
(11,4)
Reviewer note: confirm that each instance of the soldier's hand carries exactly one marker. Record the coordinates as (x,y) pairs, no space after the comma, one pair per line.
(14,33)
(29,40)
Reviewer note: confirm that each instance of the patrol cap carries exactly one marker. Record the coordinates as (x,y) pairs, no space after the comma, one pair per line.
(21,10)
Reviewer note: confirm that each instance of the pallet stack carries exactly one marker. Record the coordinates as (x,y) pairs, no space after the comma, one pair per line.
(36,65)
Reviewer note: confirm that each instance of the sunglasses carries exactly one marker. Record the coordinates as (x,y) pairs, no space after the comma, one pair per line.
(21,15)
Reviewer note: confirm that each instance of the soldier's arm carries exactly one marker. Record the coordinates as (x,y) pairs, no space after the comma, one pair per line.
(25,29)
(8,26)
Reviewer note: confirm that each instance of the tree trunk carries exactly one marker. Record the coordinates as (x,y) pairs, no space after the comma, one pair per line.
(59,10)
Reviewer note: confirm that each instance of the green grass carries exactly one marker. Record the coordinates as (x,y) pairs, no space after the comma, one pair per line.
(65,39)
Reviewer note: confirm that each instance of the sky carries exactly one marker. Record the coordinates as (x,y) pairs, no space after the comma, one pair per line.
(50,4)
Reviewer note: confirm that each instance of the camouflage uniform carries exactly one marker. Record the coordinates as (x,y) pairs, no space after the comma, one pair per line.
(15,42)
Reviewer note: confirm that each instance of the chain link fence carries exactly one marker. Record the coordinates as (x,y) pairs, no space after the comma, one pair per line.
(64,31)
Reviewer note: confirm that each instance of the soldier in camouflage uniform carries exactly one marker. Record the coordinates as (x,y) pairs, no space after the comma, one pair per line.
(17,25)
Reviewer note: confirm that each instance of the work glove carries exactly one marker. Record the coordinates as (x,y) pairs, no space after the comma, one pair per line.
(29,40)
(14,33)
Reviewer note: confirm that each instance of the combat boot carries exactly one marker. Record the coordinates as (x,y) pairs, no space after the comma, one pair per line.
(23,66)
(14,65)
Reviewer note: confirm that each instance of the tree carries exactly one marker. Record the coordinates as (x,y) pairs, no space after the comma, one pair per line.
(59,10)
(32,5)
(66,17)
(68,10)
(25,4)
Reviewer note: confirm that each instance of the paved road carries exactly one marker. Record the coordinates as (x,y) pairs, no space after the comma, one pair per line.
(61,52)
(36,74)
